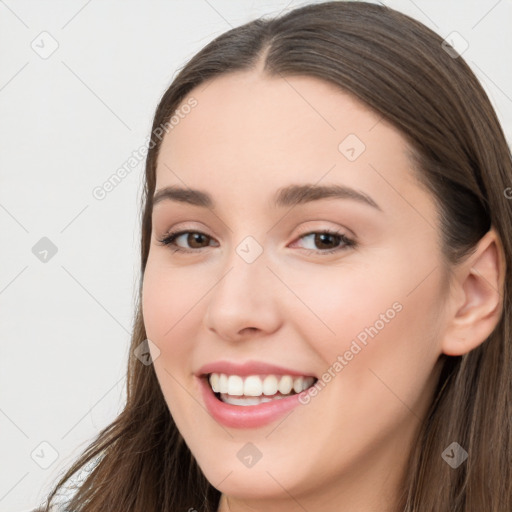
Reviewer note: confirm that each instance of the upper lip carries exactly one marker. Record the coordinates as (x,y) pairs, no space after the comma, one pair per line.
(248,368)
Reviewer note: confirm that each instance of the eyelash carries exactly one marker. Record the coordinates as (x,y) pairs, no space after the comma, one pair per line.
(170,237)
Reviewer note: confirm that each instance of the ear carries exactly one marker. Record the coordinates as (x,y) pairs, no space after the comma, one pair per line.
(476,297)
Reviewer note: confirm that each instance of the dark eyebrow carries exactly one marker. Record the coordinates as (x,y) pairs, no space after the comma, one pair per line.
(183,195)
(299,194)
(290,195)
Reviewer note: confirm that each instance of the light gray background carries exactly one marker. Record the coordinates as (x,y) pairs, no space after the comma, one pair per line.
(67,123)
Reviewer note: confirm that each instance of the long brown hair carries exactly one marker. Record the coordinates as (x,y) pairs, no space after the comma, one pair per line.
(400,69)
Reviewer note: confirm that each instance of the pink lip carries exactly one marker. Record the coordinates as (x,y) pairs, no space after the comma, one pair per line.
(250,416)
(248,368)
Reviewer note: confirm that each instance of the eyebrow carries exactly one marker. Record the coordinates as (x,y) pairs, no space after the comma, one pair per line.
(290,195)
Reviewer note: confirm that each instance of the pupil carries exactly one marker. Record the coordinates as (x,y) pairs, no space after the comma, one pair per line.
(194,238)
(321,236)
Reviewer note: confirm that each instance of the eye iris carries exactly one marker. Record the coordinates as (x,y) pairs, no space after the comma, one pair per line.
(192,237)
(319,239)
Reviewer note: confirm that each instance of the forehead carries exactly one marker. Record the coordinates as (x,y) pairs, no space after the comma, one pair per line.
(251,134)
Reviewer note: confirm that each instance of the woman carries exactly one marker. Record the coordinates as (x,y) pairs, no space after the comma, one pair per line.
(371,373)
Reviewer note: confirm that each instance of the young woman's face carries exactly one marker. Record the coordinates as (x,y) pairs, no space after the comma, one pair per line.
(256,283)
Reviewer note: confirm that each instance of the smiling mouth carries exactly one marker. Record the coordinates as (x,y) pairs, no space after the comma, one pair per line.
(256,389)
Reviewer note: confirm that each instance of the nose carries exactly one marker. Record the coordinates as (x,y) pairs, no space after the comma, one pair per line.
(244,301)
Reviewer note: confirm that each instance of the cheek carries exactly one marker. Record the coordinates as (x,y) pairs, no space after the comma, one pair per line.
(169,300)
(171,308)
(382,321)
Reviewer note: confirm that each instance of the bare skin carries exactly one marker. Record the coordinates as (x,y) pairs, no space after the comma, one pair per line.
(295,306)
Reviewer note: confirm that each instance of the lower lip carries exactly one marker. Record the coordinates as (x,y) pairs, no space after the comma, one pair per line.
(246,416)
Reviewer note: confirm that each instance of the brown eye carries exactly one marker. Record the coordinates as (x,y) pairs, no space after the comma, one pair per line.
(322,239)
(325,242)
(194,239)
(328,242)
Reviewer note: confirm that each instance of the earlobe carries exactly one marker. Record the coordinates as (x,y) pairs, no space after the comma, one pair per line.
(480,280)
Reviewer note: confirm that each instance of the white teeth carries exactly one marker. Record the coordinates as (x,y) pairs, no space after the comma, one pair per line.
(270,385)
(297,384)
(252,386)
(214,382)
(255,386)
(285,384)
(223,383)
(235,385)
(245,401)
